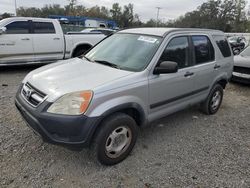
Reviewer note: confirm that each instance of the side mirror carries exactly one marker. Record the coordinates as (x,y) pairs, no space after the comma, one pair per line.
(166,67)
(3,30)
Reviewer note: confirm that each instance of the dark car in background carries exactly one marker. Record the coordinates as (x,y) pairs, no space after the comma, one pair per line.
(237,44)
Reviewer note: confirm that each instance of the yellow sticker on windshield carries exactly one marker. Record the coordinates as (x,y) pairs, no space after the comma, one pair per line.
(147,39)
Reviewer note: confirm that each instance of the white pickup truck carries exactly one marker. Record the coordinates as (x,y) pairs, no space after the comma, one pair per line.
(26,40)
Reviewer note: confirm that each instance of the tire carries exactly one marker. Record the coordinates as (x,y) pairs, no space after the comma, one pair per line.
(119,127)
(213,102)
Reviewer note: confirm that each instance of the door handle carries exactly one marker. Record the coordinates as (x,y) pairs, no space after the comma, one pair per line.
(216,67)
(56,38)
(189,74)
(25,39)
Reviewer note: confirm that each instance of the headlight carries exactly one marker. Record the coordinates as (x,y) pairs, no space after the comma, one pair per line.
(72,104)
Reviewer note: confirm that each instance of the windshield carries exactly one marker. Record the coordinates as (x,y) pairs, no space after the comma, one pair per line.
(232,39)
(126,51)
(246,52)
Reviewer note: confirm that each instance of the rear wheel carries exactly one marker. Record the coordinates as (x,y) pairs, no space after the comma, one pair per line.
(213,102)
(80,51)
(115,139)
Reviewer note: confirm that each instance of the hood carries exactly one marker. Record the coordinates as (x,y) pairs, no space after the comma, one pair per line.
(72,75)
(242,61)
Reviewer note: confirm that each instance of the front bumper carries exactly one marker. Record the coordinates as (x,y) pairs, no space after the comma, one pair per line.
(57,129)
(241,77)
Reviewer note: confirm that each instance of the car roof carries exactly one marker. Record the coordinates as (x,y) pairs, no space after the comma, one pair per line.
(28,18)
(163,31)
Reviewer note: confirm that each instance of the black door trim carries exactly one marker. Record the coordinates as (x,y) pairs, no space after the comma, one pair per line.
(158,104)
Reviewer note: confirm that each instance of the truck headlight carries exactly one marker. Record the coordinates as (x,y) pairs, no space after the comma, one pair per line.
(72,104)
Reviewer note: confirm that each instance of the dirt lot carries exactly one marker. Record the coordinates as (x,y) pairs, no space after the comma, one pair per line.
(187,149)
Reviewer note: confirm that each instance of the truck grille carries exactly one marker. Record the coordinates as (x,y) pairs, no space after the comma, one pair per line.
(32,95)
(243,70)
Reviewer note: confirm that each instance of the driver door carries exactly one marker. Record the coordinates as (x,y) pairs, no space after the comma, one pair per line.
(168,92)
(16,44)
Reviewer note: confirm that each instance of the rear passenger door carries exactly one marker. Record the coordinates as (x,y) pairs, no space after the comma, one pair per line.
(16,43)
(224,57)
(48,43)
(204,62)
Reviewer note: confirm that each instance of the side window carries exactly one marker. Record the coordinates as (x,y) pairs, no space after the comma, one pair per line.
(177,50)
(223,45)
(102,25)
(108,32)
(95,31)
(43,27)
(18,27)
(204,50)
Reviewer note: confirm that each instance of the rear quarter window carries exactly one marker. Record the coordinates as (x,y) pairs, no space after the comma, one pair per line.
(223,45)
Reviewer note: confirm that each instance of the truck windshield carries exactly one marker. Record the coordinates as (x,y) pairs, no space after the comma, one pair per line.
(127,51)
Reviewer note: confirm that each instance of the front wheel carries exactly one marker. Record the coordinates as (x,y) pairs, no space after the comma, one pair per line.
(213,102)
(115,139)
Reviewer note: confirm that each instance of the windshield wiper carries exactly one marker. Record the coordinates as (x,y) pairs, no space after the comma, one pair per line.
(107,63)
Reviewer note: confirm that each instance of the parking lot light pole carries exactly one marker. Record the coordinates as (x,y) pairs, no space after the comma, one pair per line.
(157,17)
(15,8)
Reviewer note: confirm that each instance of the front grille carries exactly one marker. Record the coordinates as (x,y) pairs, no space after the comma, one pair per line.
(32,95)
(243,70)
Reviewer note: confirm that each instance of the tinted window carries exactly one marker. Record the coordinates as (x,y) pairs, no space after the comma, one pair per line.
(43,27)
(102,25)
(177,50)
(106,32)
(223,45)
(19,27)
(96,31)
(204,51)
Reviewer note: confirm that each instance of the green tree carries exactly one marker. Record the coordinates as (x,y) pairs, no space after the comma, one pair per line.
(137,22)
(124,17)
(116,12)
(127,17)
(52,10)
(71,7)
(227,15)
(240,15)
(6,15)
(80,10)
(29,12)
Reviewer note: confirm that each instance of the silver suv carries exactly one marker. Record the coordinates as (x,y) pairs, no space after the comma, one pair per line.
(125,82)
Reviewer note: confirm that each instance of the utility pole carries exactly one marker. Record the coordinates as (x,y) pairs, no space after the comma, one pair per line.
(157,18)
(15,8)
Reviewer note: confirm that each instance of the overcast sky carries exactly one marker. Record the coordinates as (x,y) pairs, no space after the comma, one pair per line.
(145,8)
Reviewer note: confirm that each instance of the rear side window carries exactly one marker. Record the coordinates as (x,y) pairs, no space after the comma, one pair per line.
(204,51)
(18,27)
(177,50)
(43,27)
(223,45)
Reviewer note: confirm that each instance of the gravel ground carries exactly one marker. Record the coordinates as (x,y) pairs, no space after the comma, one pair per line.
(187,149)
